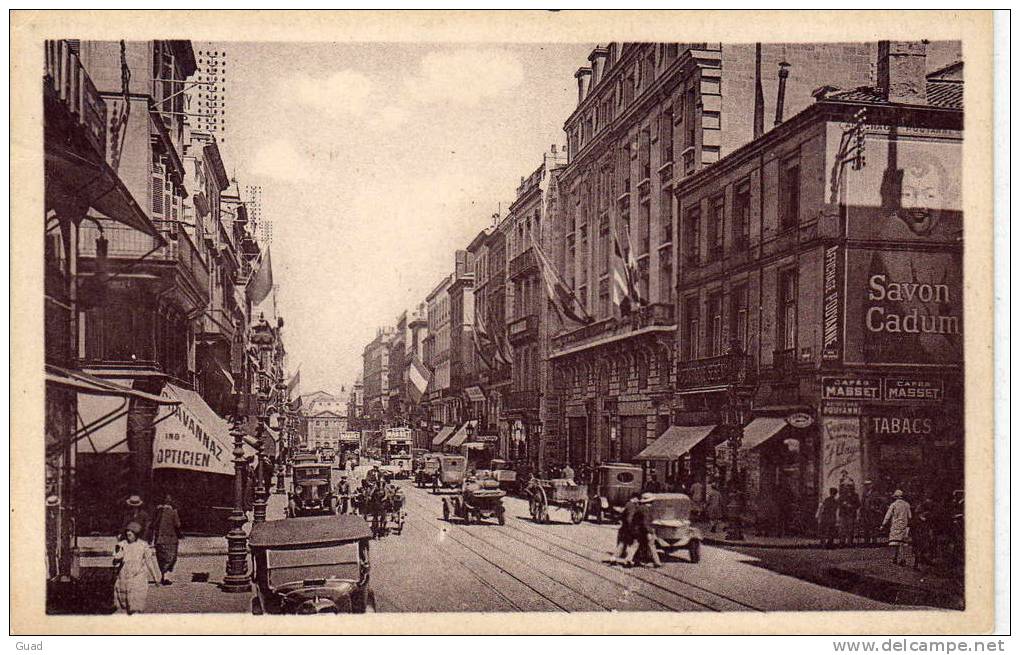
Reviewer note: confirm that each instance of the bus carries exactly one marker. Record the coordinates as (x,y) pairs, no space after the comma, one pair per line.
(396,451)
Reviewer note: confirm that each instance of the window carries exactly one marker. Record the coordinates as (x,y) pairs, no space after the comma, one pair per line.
(642,371)
(624,168)
(604,309)
(716,220)
(742,216)
(692,237)
(666,216)
(644,227)
(787,323)
(689,116)
(666,136)
(604,244)
(789,192)
(645,153)
(715,324)
(738,315)
(666,281)
(691,323)
(642,281)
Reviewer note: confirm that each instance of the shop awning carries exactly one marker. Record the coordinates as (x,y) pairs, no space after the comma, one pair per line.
(475,445)
(475,394)
(443,435)
(462,434)
(675,442)
(761,430)
(90,384)
(193,438)
(102,420)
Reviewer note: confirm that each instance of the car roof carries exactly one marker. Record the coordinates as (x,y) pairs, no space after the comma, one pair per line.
(310,465)
(309,531)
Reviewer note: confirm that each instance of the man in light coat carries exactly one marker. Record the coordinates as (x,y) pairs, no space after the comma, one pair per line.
(897,517)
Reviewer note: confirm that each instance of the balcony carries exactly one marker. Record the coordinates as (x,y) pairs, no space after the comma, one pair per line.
(784,365)
(521,401)
(216,324)
(125,243)
(593,334)
(73,90)
(722,371)
(522,264)
(523,329)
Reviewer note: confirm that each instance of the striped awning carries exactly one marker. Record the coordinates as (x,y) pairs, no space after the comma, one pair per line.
(462,434)
(443,435)
(675,442)
(761,430)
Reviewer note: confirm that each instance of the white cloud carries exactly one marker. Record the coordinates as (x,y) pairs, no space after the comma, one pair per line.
(281,160)
(464,76)
(344,92)
(391,117)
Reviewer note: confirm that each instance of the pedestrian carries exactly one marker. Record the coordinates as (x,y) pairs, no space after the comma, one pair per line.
(644,533)
(567,472)
(871,513)
(136,512)
(922,536)
(697,500)
(653,485)
(625,537)
(344,491)
(135,567)
(897,517)
(166,536)
(826,517)
(849,505)
(713,505)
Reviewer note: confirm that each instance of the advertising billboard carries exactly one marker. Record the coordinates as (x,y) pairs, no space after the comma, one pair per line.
(903,307)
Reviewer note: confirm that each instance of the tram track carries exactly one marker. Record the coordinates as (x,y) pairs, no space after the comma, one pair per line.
(697,595)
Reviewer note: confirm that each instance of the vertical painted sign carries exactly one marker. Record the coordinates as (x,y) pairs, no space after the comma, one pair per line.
(841,451)
(831,322)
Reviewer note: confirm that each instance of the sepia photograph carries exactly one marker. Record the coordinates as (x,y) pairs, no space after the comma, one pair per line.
(600,324)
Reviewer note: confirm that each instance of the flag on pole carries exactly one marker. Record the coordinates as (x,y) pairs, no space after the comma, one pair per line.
(624,273)
(295,381)
(563,299)
(483,343)
(419,376)
(261,283)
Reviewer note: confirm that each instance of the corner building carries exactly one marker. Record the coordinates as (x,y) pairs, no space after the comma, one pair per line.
(821,279)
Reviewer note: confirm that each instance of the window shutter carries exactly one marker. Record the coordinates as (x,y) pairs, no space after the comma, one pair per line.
(157,191)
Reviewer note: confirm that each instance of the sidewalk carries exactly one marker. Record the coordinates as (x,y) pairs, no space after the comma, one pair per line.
(752,540)
(900,584)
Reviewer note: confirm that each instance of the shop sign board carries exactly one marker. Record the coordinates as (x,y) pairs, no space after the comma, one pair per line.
(841,408)
(841,451)
(913,390)
(847,388)
(800,420)
(832,325)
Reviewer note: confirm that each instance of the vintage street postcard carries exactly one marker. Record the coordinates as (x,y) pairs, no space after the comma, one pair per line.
(677,322)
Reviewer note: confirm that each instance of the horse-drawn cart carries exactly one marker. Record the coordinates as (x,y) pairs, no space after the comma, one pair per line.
(477,500)
(560,494)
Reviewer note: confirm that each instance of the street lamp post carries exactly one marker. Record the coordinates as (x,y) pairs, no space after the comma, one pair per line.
(734,415)
(237,580)
(261,493)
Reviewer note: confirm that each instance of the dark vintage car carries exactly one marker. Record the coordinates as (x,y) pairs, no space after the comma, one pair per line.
(479,499)
(427,471)
(312,493)
(311,565)
(613,486)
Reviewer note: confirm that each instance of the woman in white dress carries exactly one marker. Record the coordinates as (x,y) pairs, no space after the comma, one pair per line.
(136,566)
(897,517)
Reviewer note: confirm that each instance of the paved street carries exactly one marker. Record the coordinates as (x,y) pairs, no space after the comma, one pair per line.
(448,566)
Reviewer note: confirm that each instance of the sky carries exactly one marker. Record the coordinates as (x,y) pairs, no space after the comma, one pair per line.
(377,161)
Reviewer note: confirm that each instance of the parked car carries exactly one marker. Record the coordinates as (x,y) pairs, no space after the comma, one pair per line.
(452,473)
(428,470)
(311,565)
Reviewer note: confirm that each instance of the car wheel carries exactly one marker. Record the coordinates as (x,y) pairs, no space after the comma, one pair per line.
(694,550)
(256,607)
(446,511)
(578,512)
(501,516)
(370,607)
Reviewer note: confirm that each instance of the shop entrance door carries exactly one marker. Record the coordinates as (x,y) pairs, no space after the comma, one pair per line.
(633,435)
(577,438)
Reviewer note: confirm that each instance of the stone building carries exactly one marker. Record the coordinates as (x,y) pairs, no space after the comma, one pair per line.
(376,379)
(819,298)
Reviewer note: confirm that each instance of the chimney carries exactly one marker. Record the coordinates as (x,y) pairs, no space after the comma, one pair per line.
(901,71)
(581,74)
(598,69)
(784,72)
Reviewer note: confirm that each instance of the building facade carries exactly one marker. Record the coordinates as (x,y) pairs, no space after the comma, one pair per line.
(441,404)
(822,282)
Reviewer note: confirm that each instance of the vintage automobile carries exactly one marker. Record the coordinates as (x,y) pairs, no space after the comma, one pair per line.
(311,565)
(312,491)
(427,471)
(452,473)
(477,500)
(557,493)
(614,484)
(671,517)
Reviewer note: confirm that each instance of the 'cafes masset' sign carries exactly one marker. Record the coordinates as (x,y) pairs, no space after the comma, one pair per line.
(851,388)
(889,389)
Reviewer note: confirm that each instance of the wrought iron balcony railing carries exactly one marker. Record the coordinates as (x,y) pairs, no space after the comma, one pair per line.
(723,370)
(73,88)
